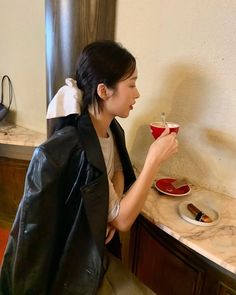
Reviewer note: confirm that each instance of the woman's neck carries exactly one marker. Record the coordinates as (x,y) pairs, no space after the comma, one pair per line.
(101,122)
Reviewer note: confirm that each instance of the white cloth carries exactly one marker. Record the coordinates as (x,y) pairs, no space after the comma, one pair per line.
(66,101)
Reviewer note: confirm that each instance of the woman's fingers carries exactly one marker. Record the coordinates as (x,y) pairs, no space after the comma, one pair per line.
(164,147)
(110,235)
(165,132)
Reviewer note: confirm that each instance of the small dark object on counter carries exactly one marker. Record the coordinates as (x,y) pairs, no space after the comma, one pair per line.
(198,214)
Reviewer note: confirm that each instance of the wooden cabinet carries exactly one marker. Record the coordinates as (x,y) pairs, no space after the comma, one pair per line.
(170,268)
(12,178)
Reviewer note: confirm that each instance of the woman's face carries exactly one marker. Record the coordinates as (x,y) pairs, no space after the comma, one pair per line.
(121,100)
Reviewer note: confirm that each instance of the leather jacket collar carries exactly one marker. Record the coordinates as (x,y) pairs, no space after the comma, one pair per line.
(90,142)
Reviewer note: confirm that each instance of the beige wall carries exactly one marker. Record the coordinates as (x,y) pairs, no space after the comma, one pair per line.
(186,60)
(22,57)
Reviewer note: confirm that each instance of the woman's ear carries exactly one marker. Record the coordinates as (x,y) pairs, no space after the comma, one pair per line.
(103,91)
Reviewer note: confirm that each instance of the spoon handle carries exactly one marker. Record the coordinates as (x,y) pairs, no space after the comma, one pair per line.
(163,118)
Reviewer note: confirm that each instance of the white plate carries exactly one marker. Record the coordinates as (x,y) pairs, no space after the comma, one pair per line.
(188,216)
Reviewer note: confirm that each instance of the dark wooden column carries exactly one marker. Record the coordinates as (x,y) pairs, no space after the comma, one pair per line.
(70,25)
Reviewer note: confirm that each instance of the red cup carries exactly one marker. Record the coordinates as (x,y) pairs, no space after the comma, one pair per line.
(157,128)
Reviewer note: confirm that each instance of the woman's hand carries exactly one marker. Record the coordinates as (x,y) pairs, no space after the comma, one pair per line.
(162,149)
(110,233)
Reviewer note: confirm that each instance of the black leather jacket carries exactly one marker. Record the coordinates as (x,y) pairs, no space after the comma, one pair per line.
(56,245)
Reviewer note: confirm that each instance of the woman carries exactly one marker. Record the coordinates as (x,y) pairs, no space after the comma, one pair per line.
(80,188)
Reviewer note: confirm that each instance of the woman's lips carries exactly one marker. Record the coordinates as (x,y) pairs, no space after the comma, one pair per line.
(132,106)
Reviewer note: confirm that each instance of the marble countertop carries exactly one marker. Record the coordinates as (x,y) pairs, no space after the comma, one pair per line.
(20,136)
(217,242)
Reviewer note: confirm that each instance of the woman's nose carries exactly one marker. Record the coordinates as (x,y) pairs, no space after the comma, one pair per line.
(137,94)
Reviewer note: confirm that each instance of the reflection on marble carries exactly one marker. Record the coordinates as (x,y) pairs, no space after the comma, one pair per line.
(217,243)
(16,135)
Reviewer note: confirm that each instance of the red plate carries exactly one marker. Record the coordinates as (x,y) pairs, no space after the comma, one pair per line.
(165,186)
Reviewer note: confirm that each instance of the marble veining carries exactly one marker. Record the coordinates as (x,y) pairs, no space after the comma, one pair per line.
(20,136)
(217,242)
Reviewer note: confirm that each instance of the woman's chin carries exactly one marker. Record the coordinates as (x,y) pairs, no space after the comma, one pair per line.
(123,116)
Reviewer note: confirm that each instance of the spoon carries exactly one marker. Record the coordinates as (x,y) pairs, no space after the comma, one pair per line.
(163,118)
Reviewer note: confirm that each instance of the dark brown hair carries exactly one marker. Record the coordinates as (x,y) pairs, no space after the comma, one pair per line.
(105,62)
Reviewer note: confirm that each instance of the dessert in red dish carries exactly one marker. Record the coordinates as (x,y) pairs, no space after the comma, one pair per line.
(171,187)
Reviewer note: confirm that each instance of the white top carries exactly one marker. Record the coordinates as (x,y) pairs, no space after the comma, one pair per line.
(113,164)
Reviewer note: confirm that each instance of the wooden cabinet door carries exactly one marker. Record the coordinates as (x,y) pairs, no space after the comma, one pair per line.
(12,178)
(170,268)
(162,266)
(226,290)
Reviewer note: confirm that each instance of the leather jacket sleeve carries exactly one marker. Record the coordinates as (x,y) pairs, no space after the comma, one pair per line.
(35,225)
(31,252)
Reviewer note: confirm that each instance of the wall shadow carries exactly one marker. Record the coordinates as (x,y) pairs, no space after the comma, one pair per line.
(183,95)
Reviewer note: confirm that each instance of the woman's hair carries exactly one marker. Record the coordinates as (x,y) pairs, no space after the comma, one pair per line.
(102,62)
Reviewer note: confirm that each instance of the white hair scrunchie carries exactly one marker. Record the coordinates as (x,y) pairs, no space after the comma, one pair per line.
(67,101)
